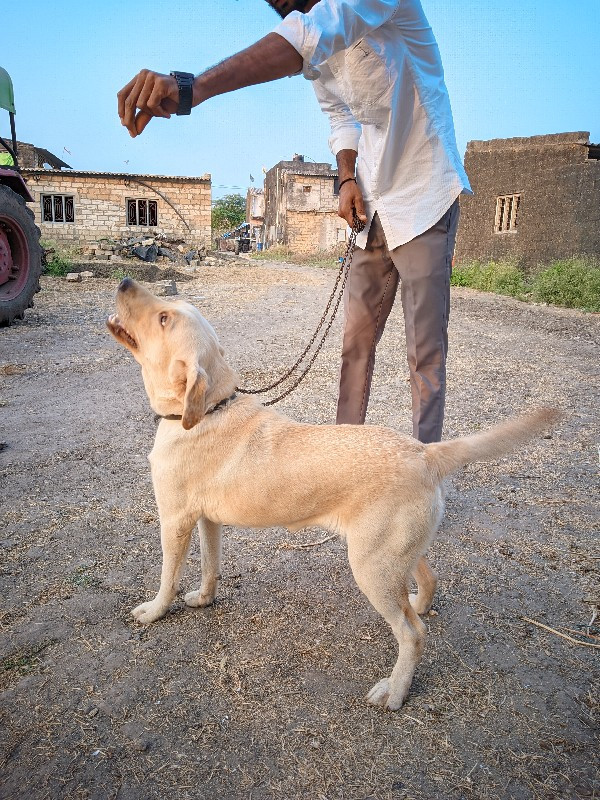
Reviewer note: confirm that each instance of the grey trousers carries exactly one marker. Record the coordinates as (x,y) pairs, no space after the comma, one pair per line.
(423,267)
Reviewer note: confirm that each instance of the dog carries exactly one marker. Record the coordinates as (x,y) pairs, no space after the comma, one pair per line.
(221,459)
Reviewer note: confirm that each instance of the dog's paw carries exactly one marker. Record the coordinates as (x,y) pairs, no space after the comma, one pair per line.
(383,695)
(419,605)
(199,599)
(148,612)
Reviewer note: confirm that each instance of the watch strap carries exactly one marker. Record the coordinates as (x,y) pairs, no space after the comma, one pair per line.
(185,84)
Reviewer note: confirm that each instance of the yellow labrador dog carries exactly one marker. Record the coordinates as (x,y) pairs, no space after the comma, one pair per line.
(221,459)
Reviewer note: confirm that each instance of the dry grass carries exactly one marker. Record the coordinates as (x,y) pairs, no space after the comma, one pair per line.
(261,695)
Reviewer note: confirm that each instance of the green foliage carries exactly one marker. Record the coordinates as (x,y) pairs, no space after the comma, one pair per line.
(498,277)
(227,213)
(572,282)
(59,259)
(118,273)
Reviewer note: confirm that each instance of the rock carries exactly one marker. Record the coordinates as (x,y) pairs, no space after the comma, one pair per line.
(87,275)
(181,248)
(74,277)
(166,288)
(115,257)
(147,242)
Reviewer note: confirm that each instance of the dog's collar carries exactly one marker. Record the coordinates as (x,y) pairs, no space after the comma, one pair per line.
(221,404)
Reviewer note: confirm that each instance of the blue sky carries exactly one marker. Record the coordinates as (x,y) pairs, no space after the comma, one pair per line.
(516,68)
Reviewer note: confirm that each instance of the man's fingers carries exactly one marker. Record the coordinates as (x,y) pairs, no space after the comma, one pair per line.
(130,104)
(122,95)
(141,120)
(359,205)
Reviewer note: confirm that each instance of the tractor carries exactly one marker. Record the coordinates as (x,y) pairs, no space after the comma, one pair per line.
(20,249)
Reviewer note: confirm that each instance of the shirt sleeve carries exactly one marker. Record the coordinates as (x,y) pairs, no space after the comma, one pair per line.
(331,26)
(345,130)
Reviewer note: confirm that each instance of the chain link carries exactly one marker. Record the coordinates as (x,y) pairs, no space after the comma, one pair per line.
(336,295)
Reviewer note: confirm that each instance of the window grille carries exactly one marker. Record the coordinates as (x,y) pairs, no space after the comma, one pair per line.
(58,208)
(507,209)
(142,212)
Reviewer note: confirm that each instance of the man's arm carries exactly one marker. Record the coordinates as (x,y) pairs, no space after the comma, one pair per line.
(351,198)
(151,94)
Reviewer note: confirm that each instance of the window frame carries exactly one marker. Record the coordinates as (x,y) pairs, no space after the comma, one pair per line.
(146,214)
(507,222)
(67,203)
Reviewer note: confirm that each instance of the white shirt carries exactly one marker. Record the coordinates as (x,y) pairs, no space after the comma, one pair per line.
(378,75)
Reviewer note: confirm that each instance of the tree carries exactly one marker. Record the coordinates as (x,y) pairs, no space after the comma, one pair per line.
(228,212)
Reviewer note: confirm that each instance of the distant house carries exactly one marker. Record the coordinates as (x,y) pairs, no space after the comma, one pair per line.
(32,157)
(75,206)
(255,212)
(535,199)
(301,202)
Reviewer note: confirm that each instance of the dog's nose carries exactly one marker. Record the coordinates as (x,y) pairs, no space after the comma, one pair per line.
(125,284)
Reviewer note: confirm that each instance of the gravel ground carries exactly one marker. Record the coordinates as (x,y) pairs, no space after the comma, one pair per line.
(261,695)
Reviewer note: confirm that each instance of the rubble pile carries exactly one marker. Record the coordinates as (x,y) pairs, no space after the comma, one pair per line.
(151,249)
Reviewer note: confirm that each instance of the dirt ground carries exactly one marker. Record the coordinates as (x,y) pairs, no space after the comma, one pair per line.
(261,695)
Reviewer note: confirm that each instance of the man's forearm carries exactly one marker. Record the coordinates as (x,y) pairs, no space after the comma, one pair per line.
(346,164)
(270,58)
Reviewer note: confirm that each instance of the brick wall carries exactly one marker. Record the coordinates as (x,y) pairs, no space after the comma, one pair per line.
(100,203)
(558,179)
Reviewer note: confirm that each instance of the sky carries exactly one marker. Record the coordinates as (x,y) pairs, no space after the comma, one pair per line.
(513,68)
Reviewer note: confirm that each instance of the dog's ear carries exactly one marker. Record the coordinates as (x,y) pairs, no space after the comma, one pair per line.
(192,382)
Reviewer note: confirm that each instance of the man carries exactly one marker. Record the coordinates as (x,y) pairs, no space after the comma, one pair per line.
(377,74)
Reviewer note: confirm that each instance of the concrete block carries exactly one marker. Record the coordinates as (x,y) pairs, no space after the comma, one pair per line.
(74,277)
(165,288)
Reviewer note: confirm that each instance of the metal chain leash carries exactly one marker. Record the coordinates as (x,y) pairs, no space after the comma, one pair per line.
(336,295)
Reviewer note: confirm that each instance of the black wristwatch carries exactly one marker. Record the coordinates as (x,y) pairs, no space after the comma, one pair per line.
(185,83)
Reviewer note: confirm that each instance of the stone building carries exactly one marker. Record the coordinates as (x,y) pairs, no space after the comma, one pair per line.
(301,202)
(31,157)
(79,207)
(536,199)
(255,212)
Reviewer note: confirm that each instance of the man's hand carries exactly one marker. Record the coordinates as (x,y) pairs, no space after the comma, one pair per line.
(351,200)
(148,95)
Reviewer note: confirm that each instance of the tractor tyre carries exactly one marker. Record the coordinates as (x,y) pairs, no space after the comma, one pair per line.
(20,256)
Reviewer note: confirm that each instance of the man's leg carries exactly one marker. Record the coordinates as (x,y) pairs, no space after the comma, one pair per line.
(425,264)
(368,299)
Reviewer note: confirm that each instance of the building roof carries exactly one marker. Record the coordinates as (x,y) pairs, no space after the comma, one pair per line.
(206,178)
(550,139)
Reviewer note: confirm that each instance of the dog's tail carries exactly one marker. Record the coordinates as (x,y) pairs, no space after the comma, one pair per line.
(444,458)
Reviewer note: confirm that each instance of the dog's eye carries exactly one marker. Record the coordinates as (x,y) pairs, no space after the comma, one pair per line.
(164,318)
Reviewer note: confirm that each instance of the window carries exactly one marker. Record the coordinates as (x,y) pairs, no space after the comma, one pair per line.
(58,208)
(142,212)
(306,189)
(507,208)
(336,186)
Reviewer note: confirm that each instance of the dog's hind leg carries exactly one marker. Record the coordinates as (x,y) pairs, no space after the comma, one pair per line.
(379,575)
(175,540)
(210,555)
(426,585)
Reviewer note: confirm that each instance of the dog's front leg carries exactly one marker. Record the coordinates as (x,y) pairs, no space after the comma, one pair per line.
(175,540)
(210,555)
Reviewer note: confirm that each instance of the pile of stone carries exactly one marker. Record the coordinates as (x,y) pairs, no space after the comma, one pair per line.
(151,249)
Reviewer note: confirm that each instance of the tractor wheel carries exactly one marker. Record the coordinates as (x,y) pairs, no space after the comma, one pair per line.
(20,256)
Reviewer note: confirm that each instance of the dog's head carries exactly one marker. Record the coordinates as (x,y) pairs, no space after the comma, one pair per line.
(183,365)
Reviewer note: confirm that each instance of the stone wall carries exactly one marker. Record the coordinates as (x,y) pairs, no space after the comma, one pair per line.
(558,180)
(100,205)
